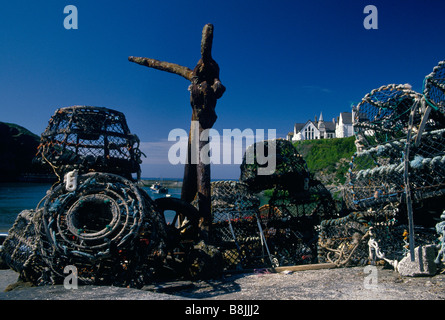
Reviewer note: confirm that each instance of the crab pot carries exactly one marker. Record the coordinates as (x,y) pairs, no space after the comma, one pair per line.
(381,166)
(397,171)
(344,241)
(297,205)
(90,139)
(20,249)
(98,227)
(383,114)
(434,87)
(108,228)
(234,229)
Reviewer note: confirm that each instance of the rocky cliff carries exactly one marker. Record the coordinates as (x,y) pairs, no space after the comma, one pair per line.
(18,147)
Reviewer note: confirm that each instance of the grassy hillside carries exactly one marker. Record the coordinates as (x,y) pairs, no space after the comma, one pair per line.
(327,159)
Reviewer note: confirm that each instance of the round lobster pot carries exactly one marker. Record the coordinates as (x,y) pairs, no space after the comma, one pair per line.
(90,139)
(383,114)
(398,171)
(434,87)
(105,227)
(399,134)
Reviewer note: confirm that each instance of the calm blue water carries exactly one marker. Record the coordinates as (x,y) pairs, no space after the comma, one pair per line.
(15,197)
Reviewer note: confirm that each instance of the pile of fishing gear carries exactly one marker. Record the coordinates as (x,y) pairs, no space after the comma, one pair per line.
(236,231)
(399,167)
(280,232)
(96,217)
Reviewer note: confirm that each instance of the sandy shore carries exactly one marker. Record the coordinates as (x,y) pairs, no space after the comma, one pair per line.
(328,284)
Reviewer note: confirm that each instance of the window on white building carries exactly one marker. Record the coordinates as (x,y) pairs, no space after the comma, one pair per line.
(309,133)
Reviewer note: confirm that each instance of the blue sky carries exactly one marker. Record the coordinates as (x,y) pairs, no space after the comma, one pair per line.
(281,61)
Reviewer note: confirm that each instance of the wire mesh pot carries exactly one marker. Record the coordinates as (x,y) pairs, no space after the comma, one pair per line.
(98,226)
(108,228)
(90,139)
(400,139)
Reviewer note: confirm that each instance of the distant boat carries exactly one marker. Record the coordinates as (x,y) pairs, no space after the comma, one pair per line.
(158,188)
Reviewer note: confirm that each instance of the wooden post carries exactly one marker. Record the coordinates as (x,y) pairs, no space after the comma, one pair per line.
(205,90)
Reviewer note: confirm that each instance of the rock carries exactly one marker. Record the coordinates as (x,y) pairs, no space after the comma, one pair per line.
(17,149)
(423,265)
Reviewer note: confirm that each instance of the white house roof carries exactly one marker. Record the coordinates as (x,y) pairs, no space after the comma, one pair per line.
(347,117)
(329,126)
(299,126)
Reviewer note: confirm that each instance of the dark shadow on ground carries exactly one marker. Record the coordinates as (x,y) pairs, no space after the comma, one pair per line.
(201,289)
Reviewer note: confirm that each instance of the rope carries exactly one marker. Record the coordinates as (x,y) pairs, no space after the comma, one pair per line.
(434,87)
(440,229)
(374,249)
(264,243)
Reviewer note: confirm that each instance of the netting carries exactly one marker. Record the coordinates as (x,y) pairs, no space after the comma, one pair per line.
(382,115)
(291,219)
(235,229)
(346,241)
(282,232)
(295,193)
(440,229)
(434,87)
(96,225)
(89,139)
(377,174)
(399,167)
(314,200)
(20,249)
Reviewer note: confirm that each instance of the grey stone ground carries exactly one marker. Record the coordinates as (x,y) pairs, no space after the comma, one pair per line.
(329,284)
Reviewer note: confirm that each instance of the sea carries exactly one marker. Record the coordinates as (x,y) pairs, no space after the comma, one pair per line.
(18,196)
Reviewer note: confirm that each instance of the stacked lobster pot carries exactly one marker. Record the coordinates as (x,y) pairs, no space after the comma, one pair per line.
(236,231)
(90,139)
(399,167)
(95,218)
(297,204)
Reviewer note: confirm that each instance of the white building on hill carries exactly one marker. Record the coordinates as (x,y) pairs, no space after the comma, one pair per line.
(345,126)
(319,129)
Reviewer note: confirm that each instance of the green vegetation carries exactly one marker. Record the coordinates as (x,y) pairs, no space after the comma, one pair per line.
(327,159)
(19,130)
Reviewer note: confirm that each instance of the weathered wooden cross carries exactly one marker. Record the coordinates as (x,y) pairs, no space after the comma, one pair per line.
(205,89)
